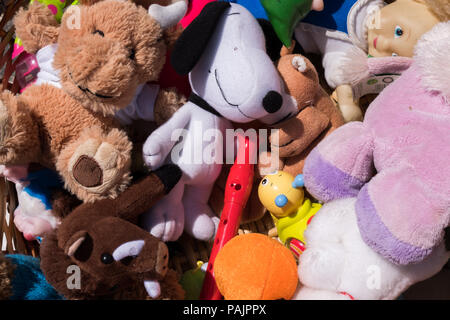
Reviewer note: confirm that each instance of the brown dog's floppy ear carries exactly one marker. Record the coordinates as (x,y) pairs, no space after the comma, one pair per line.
(195,38)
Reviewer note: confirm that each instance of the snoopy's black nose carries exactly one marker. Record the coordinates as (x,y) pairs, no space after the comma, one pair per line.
(272,102)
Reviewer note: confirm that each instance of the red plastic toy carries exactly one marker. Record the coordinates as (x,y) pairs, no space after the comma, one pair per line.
(237,192)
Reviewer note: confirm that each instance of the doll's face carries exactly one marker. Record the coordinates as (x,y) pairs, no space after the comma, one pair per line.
(398,27)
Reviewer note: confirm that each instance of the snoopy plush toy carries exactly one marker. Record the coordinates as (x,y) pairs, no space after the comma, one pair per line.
(232,79)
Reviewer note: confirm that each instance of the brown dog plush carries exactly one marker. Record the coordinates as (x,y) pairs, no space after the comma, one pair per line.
(116,46)
(318,116)
(113,254)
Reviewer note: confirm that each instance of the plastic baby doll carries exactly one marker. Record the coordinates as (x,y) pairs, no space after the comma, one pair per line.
(283,196)
(367,25)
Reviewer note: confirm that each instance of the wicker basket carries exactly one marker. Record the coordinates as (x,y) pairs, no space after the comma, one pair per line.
(11,240)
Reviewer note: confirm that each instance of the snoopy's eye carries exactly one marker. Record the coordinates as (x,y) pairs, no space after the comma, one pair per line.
(101,33)
(264,182)
(132,54)
(398,32)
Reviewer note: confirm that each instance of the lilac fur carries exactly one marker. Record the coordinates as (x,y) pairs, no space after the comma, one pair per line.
(404,205)
(326,182)
(381,239)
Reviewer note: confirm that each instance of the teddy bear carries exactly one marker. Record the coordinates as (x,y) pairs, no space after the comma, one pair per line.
(385,185)
(113,256)
(100,63)
(317,117)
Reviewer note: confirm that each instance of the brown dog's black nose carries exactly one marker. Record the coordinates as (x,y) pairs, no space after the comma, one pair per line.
(272,102)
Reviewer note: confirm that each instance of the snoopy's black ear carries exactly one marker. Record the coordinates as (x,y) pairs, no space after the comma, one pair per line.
(190,46)
(273,44)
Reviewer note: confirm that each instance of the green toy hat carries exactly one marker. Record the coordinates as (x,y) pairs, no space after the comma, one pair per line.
(284,16)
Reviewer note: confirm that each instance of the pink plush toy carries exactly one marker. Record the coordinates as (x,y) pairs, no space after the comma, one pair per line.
(397,162)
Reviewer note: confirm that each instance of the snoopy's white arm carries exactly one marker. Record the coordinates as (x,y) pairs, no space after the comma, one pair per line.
(160,143)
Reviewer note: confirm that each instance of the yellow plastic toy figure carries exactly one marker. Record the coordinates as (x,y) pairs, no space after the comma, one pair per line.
(283,196)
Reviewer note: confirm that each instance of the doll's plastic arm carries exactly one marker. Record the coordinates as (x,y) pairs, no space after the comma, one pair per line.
(160,143)
(349,108)
(341,164)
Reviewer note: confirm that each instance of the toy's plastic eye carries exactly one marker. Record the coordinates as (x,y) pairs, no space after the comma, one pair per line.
(398,32)
(394,54)
(100,32)
(106,258)
(264,181)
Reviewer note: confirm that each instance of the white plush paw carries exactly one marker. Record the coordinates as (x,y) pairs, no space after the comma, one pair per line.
(165,220)
(322,267)
(153,155)
(200,222)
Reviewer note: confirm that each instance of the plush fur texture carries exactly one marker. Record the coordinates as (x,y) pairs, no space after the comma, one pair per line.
(318,115)
(86,59)
(21,278)
(36,26)
(395,162)
(118,46)
(6,273)
(441,8)
(267,270)
(430,52)
(338,264)
(104,227)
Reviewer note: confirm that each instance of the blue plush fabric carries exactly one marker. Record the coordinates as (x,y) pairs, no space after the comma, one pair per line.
(28,282)
(254,6)
(41,184)
(333,16)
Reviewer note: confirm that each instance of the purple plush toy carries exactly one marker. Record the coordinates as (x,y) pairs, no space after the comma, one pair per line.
(397,162)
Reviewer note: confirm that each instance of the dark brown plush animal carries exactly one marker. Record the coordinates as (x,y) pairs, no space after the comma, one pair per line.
(113,254)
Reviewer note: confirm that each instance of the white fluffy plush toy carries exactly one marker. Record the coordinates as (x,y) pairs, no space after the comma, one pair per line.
(232,78)
(338,264)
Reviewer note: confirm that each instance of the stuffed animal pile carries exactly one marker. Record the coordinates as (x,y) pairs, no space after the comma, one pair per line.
(121,142)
